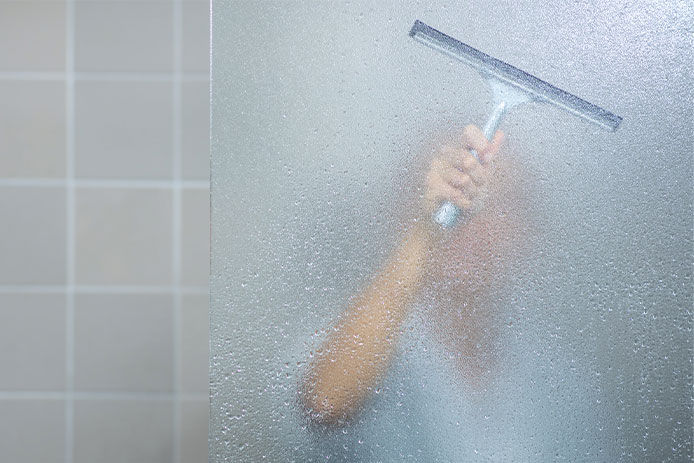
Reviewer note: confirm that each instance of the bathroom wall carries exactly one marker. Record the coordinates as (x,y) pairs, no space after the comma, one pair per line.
(104,229)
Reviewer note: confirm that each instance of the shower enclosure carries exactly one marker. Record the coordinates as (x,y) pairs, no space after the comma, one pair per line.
(325,119)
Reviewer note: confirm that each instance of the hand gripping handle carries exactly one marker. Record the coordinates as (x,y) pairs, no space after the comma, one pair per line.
(448,213)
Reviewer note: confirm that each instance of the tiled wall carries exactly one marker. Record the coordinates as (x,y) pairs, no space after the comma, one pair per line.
(104,226)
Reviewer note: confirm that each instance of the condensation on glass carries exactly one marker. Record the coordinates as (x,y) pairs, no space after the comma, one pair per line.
(554,325)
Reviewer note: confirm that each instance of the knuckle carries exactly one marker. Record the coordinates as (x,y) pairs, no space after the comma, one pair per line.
(462,202)
(435,165)
(455,178)
(441,186)
(469,162)
(447,153)
(432,180)
(469,131)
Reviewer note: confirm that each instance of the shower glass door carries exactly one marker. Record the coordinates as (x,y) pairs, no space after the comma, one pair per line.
(552,323)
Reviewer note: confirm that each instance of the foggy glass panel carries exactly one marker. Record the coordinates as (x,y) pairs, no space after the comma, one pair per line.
(554,325)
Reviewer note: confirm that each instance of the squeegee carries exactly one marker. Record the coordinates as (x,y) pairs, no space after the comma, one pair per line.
(510,87)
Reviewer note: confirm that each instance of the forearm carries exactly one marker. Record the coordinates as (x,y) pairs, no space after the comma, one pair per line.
(355,356)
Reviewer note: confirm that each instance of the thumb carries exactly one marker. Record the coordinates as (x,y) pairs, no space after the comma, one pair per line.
(491,150)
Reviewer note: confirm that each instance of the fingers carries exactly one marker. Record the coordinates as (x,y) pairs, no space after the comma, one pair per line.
(468,164)
(444,191)
(460,181)
(493,147)
(457,197)
(448,183)
(474,139)
(456,175)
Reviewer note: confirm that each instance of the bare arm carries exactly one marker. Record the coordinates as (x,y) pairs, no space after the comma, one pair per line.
(359,349)
(357,353)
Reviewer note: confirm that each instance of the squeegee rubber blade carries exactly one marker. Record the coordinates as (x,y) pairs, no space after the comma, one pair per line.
(537,88)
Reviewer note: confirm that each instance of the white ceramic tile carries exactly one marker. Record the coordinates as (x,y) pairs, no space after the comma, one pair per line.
(194,430)
(124,342)
(32,36)
(123,236)
(195,357)
(118,431)
(195,131)
(32,342)
(32,235)
(123,36)
(123,129)
(32,431)
(196,237)
(32,129)
(196,37)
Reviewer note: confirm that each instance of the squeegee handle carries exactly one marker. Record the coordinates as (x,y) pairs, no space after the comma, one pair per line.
(448,213)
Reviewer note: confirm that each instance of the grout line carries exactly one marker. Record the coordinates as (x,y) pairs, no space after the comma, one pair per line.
(70,232)
(104,183)
(143,77)
(95,289)
(177,165)
(35,76)
(104,76)
(61,395)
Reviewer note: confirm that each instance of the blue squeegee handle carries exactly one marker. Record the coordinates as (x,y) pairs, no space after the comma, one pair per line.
(448,213)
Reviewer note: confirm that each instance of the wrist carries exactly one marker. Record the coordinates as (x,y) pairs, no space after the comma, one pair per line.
(424,230)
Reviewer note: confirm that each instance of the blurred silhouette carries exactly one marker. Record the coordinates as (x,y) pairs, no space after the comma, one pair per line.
(456,268)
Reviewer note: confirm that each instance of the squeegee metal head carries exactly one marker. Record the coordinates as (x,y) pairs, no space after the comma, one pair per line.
(537,89)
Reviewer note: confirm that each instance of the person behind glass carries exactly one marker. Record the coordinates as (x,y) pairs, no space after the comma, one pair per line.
(456,268)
